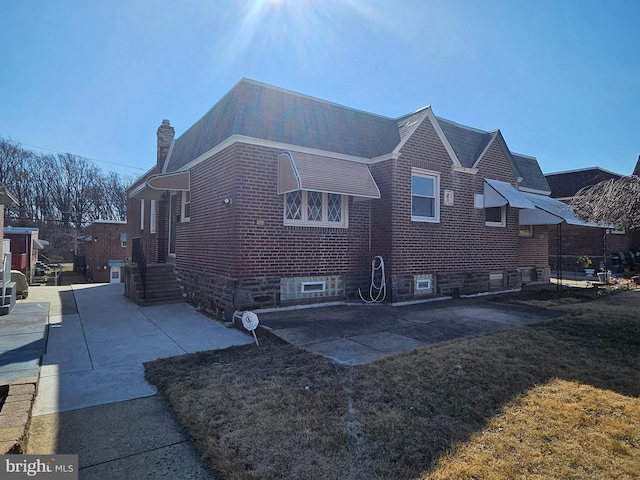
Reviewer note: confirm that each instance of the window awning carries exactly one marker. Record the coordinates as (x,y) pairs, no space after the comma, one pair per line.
(498,194)
(6,197)
(304,171)
(157,185)
(115,263)
(39,244)
(549,211)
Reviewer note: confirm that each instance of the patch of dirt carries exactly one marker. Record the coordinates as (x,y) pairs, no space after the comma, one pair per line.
(547,298)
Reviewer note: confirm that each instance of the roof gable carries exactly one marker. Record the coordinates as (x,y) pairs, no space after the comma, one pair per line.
(468,143)
(532,176)
(269,113)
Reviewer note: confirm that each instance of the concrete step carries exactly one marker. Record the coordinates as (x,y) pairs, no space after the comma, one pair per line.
(148,302)
(9,301)
(160,293)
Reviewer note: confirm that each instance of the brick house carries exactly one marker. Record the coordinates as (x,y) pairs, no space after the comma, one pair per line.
(274,198)
(25,249)
(105,250)
(590,240)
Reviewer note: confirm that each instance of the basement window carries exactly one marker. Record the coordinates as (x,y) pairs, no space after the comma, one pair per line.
(525,231)
(313,287)
(423,284)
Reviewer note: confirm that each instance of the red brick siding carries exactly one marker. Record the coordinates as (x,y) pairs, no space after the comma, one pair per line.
(105,246)
(133,222)
(578,241)
(533,251)
(460,241)
(228,240)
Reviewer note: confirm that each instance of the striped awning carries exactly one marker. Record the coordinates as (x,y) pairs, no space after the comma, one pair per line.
(304,171)
(157,185)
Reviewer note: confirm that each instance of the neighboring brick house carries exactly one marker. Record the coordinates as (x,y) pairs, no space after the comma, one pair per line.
(592,241)
(275,198)
(105,250)
(25,248)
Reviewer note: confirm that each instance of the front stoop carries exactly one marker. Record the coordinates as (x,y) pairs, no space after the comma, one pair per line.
(15,415)
(163,285)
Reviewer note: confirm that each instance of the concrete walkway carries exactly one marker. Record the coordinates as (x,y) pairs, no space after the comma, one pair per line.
(92,397)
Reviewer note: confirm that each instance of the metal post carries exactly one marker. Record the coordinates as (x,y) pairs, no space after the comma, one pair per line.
(559,256)
(605,255)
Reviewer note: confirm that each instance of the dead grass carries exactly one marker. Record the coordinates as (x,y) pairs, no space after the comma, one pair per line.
(555,400)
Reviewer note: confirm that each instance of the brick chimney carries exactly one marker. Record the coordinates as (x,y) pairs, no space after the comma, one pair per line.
(165,137)
(636,171)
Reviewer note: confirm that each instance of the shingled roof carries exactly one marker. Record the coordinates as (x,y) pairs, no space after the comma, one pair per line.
(265,112)
(467,142)
(567,184)
(532,176)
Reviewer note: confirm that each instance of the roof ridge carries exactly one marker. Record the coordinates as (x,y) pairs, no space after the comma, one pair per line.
(310,97)
(586,169)
(466,127)
(524,155)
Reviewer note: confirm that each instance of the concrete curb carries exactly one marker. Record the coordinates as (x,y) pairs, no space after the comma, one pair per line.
(15,414)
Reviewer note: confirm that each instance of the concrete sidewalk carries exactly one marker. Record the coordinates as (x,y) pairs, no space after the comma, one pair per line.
(92,397)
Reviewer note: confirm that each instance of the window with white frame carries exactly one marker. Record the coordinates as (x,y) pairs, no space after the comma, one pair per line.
(141,214)
(525,231)
(425,196)
(495,216)
(152,217)
(186,206)
(312,208)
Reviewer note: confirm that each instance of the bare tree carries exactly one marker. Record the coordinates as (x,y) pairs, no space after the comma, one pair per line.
(60,194)
(15,169)
(613,202)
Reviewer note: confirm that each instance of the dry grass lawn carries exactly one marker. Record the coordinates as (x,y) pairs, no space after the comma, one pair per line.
(558,400)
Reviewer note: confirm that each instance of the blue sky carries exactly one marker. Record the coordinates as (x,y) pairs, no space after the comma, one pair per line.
(560,79)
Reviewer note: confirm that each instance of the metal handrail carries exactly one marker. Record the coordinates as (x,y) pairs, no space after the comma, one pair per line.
(6,273)
(138,258)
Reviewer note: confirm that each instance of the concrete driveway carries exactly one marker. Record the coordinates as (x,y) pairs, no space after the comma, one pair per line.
(92,397)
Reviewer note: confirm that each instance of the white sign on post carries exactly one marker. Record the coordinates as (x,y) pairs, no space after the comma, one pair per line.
(250,322)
